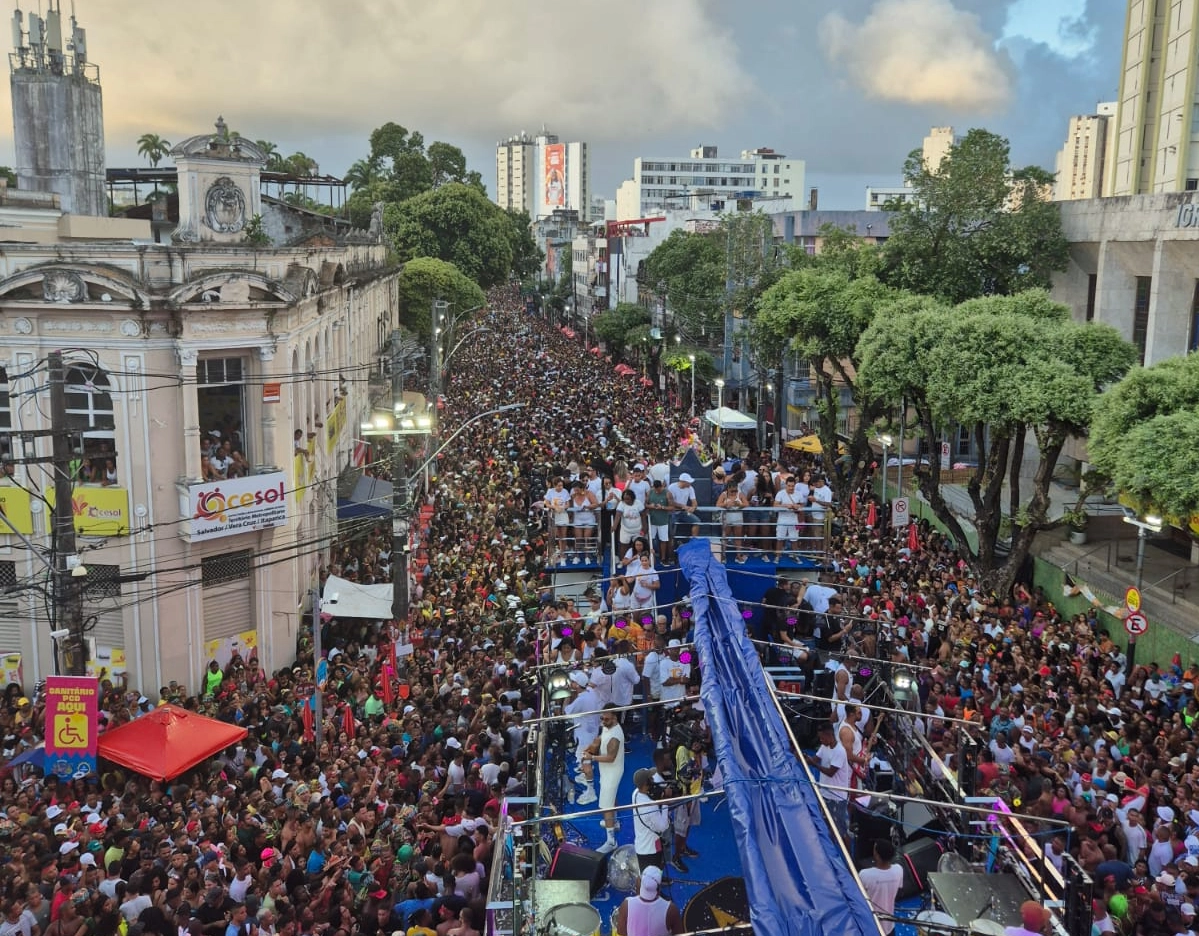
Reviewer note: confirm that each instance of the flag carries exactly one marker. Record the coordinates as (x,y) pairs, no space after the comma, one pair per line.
(388,694)
(913,539)
(853,504)
(361,453)
(308,716)
(871,515)
(348,725)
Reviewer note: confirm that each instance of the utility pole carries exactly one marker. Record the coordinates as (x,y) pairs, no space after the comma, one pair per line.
(399,488)
(320,670)
(439,320)
(67,600)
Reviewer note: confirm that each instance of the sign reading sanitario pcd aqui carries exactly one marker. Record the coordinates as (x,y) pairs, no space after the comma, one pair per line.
(238,505)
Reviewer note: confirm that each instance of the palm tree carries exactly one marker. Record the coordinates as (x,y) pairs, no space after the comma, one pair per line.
(362,173)
(152,147)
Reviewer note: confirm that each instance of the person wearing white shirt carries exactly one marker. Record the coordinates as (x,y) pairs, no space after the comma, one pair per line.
(1115,678)
(587,727)
(882,882)
(832,763)
(650,821)
(817,596)
(819,498)
(675,674)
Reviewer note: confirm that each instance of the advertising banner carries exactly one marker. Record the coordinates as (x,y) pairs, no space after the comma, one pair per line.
(555,175)
(72,719)
(221,649)
(99,511)
(13,669)
(334,424)
(14,506)
(237,505)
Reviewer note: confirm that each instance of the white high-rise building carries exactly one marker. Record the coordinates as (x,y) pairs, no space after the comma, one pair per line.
(1083,162)
(937,145)
(514,173)
(561,177)
(1157,116)
(658,184)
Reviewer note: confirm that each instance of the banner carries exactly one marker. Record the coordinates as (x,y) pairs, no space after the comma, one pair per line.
(555,174)
(72,719)
(14,505)
(99,511)
(106,663)
(221,649)
(334,424)
(236,505)
(13,669)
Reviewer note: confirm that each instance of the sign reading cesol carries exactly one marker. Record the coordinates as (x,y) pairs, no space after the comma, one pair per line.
(238,505)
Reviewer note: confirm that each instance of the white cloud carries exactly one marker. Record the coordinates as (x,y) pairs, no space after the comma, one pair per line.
(925,52)
(302,70)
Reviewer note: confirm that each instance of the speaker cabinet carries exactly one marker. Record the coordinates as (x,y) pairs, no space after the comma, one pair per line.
(575,863)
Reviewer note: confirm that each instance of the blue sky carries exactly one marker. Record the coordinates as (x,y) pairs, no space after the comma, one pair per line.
(851,86)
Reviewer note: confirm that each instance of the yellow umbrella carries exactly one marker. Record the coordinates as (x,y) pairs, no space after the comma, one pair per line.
(809,443)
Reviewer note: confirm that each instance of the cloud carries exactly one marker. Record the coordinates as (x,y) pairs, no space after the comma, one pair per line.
(301,70)
(924,52)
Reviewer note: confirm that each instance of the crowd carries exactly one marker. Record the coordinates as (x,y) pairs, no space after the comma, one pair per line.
(383,819)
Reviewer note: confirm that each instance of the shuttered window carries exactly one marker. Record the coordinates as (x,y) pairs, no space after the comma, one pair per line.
(228,594)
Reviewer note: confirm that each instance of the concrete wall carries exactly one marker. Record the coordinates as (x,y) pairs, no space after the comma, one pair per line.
(58,131)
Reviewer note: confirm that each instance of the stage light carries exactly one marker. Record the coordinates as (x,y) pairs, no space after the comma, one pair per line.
(902,682)
(557,685)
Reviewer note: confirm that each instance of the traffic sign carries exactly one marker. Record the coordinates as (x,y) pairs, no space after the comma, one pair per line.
(1132,600)
(901,514)
(1136,624)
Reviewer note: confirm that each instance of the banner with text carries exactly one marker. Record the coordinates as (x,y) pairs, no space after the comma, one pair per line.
(15,508)
(237,505)
(98,511)
(555,174)
(72,720)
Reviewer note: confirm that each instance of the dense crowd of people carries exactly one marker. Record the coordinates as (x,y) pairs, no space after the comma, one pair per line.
(383,819)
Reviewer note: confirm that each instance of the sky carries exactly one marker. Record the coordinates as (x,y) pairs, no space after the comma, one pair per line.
(849,86)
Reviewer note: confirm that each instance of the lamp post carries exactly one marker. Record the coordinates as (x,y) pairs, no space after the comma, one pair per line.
(691,358)
(1145,525)
(886,440)
(719,419)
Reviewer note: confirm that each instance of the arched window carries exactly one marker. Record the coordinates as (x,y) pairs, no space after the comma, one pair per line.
(90,413)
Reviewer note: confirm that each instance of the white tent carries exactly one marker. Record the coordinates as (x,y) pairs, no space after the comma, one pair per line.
(345,599)
(727,418)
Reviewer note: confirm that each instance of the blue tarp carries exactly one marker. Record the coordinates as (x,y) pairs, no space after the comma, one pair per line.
(797,879)
(352,510)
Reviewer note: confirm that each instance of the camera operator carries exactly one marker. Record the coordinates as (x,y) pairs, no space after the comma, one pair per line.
(650,822)
(689,776)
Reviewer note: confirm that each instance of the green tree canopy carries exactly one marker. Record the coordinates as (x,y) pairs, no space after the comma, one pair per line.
(153,148)
(526,255)
(1001,366)
(975,226)
(427,278)
(456,223)
(689,271)
(621,327)
(1145,437)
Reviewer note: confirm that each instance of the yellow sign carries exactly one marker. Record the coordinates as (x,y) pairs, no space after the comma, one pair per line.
(99,511)
(300,473)
(222,649)
(1132,600)
(71,731)
(334,424)
(14,505)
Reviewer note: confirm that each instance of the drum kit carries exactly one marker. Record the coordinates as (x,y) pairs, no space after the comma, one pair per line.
(574,919)
(940,923)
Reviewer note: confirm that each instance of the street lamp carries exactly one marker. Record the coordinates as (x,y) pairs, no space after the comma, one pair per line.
(886,440)
(691,358)
(719,419)
(1145,525)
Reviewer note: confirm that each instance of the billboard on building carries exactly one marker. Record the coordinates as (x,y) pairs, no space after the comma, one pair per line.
(98,511)
(15,507)
(555,175)
(238,505)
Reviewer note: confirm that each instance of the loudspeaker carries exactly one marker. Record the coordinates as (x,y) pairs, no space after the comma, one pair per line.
(872,825)
(576,863)
(918,859)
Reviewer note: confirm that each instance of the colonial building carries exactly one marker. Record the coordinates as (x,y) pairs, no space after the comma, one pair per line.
(217,333)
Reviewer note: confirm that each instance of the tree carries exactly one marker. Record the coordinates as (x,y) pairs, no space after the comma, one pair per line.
(621,327)
(426,278)
(456,223)
(527,257)
(274,161)
(975,226)
(361,174)
(688,271)
(1000,366)
(9,176)
(1145,438)
(821,314)
(153,148)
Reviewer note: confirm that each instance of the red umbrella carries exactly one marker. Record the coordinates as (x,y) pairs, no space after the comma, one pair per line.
(913,540)
(853,504)
(595,350)
(307,716)
(348,725)
(871,515)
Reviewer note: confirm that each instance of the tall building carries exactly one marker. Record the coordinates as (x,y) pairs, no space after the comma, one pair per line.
(936,146)
(514,173)
(542,175)
(1157,116)
(57,113)
(1083,163)
(658,184)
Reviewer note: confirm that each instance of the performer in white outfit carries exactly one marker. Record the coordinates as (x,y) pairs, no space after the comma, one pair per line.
(608,752)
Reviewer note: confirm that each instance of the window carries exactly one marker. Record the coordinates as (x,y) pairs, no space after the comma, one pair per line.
(221,402)
(90,413)
(963,441)
(1092,285)
(222,569)
(1140,314)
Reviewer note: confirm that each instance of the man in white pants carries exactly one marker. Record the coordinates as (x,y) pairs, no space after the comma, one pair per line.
(608,752)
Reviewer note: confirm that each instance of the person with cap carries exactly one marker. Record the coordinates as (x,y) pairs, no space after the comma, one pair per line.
(585,718)
(1033,918)
(650,822)
(683,504)
(648,913)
